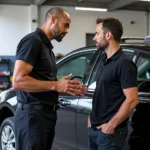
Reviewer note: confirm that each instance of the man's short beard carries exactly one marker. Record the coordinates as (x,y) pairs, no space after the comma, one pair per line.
(58,38)
(102,47)
(56,33)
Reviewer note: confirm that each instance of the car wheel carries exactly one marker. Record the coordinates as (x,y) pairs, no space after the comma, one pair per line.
(7,136)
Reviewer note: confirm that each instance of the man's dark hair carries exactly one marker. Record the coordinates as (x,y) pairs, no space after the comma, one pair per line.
(56,11)
(113,25)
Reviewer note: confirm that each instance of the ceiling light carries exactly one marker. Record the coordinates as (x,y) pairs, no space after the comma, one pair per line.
(90,9)
(145,0)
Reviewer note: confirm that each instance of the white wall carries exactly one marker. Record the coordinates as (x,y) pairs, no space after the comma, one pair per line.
(84,22)
(33,16)
(15,22)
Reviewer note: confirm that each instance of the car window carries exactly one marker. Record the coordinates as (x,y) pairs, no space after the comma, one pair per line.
(90,68)
(77,66)
(143,64)
(92,82)
(129,53)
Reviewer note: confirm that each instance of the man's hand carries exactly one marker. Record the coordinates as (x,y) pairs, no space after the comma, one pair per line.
(89,122)
(72,87)
(107,128)
(82,92)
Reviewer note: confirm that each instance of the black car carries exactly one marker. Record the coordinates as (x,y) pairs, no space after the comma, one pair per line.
(71,128)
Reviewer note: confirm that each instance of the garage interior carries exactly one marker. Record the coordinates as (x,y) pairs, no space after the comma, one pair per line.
(21,17)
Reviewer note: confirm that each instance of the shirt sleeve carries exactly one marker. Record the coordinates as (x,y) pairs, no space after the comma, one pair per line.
(28,50)
(128,74)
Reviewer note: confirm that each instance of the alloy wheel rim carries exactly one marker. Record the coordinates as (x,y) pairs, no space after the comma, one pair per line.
(8,138)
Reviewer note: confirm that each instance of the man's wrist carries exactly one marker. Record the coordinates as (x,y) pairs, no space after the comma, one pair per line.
(53,85)
(112,124)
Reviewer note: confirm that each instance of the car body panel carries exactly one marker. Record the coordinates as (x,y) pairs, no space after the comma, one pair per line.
(66,124)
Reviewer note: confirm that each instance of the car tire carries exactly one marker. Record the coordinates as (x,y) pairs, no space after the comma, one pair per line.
(7,136)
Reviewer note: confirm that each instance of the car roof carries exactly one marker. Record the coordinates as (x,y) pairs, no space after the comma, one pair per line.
(140,47)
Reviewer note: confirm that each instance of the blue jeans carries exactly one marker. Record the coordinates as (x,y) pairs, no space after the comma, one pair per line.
(101,141)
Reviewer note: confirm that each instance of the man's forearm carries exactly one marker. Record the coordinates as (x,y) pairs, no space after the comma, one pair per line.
(123,113)
(30,84)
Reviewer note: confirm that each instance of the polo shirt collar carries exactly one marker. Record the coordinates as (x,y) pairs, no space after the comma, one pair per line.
(44,37)
(116,54)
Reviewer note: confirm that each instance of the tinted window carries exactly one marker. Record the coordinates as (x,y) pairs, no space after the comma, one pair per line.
(77,66)
(143,64)
(92,83)
(129,53)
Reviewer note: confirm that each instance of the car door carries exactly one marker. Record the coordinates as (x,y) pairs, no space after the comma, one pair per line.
(65,137)
(85,103)
(140,122)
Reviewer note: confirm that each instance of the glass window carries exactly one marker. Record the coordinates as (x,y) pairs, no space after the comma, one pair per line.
(129,53)
(143,64)
(92,82)
(77,66)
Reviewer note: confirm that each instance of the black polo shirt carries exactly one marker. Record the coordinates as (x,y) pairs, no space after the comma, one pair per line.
(36,49)
(115,74)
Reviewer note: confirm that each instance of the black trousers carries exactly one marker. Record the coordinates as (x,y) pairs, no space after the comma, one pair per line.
(34,129)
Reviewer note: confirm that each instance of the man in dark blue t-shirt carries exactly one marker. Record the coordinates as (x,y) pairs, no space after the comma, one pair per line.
(116,93)
(36,83)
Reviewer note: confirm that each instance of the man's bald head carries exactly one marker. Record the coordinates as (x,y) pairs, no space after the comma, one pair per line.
(58,12)
(57,23)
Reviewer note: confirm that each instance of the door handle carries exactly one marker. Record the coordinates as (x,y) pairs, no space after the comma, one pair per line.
(64,103)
